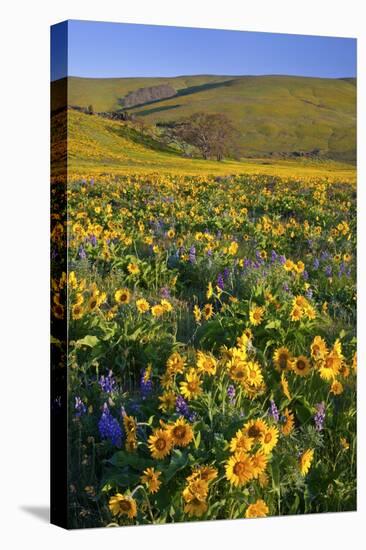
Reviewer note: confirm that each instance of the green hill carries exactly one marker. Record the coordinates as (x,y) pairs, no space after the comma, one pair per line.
(276,115)
(98,147)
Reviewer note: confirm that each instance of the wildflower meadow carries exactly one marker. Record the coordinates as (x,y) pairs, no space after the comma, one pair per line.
(211,358)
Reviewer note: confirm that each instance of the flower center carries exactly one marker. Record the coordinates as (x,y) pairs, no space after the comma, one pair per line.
(268,438)
(160,444)
(239,468)
(179,432)
(253,431)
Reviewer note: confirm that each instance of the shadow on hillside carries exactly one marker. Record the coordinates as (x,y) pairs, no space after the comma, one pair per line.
(182,92)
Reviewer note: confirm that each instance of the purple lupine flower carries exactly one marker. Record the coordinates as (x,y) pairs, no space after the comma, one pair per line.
(209,252)
(226,273)
(324,255)
(319,416)
(107,383)
(259,257)
(328,270)
(80,407)
(220,281)
(316,263)
(309,293)
(274,256)
(146,384)
(231,394)
(109,427)
(192,254)
(164,292)
(181,407)
(305,275)
(282,259)
(247,262)
(82,253)
(93,240)
(273,411)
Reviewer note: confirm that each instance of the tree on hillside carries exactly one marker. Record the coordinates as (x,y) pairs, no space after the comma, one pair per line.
(212,134)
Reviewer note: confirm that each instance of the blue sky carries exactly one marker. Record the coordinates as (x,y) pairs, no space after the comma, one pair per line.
(99,49)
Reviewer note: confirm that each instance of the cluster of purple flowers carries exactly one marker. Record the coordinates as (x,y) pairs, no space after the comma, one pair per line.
(109,427)
(82,253)
(146,384)
(164,292)
(107,383)
(220,281)
(80,407)
(182,408)
(192,254)
(231,394)
(319,416)
(273,411)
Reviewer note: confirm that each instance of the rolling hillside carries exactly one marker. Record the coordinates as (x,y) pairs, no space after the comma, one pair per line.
(276,115)
(98,146)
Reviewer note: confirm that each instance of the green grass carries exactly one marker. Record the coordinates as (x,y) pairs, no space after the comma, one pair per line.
(274,114)
(99,146)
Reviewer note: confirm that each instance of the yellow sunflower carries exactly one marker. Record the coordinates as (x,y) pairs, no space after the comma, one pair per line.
(257,510)
(123,505)
(150,478)
(289,422)
(296,314)
(239,468)
(305,461)
(208,311)
(241,442)
(160,443)
(167,401)
(329,367)
(58,311)
(142,305)
(197,488)
(207,473)
(166,305)
(122,296)
(301,366)
(318,348)
(269,439)
(191,387)
(157,310)
(336,387)
(133,268)
(254,374)
(175,363)
(256,314)
(197,313)
(259,463)
(206,363)
(209,291)
(77,312)
(285,387)
(181,433)
(255,429)
(282,359)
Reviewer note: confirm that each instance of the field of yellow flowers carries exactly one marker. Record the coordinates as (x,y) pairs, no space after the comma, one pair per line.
(211,347)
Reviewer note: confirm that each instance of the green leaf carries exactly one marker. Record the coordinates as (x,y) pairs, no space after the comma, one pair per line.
(122,458)
(88,340)
(197,440)
(178,461)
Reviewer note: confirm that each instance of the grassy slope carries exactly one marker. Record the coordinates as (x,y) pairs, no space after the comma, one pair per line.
(273,113)
(100,146)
